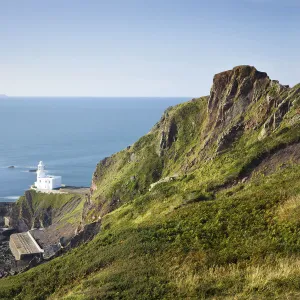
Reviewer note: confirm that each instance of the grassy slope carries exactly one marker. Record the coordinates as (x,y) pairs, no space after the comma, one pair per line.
(129,173)
(205,235)
(65,208)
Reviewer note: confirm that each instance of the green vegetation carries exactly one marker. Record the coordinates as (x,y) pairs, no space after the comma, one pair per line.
(129,173)
(51,200)
(226,227)
(232,245)
(50,208)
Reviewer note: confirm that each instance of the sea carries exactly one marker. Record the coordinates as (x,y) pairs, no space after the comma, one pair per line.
(70,135)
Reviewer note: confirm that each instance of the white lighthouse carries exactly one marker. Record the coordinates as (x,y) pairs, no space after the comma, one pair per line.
(46,182)
(41,170)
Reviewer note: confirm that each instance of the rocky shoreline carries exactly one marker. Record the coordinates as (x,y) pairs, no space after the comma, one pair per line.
(7,260)
(49,226)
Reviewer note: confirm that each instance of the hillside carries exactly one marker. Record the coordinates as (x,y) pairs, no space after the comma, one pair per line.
(205,206)
(41,210)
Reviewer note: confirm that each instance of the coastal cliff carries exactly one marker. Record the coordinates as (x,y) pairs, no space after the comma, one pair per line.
(53,219)
(245,110)
(204,206)
(42,210)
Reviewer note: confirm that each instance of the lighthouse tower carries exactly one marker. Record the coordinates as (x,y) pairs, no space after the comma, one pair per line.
(41,170)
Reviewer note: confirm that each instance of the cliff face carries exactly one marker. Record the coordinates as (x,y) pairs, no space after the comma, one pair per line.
(5,210)
(232,93)
(41,210)
(245,99)
(55,220)
(243,102)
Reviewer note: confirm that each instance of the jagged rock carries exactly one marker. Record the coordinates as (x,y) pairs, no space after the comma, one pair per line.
(229,136)
(274,121)
(233,94)
(168,135)
(86,234)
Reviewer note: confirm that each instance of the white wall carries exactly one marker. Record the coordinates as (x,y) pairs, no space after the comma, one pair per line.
(55,182)
(48,183)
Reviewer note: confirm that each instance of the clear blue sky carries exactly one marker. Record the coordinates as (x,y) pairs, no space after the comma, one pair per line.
(142,47)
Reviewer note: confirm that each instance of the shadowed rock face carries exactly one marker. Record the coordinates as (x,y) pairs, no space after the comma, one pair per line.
(28,213)
(231,94)
(234,94)
(5,210)
(168,135)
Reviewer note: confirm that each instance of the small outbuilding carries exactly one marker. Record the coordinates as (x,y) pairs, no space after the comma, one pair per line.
(24,246)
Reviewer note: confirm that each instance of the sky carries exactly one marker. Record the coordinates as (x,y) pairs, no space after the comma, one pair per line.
(142,47)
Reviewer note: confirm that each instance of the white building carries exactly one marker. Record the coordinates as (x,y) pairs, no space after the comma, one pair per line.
(46,182)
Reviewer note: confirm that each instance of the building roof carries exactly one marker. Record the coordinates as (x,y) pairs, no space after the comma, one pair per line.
(24,243)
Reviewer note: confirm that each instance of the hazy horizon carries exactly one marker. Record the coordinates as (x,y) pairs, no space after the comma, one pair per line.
(82,96)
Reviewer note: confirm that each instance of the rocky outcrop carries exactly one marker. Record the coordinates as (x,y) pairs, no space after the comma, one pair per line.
(244,99)
(22,215)
(229,136)
(231,94)
(42,210)
(275,119)
(56,244)
(6,209)
(168,135)
(7,260)
(84,234)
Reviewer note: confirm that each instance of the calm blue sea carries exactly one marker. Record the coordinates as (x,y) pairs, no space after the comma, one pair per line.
(71,135)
